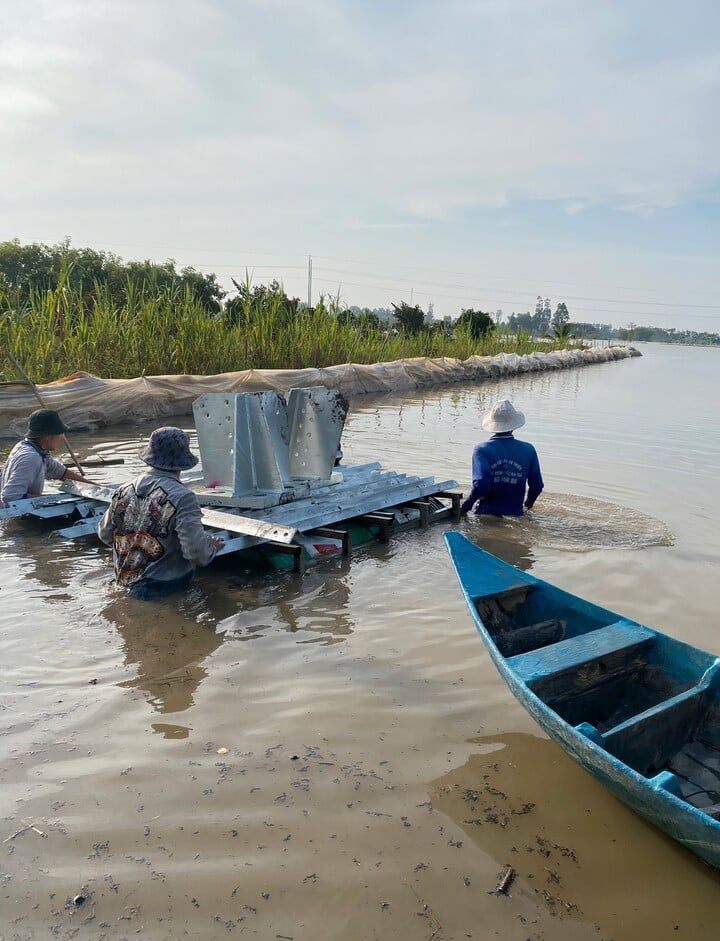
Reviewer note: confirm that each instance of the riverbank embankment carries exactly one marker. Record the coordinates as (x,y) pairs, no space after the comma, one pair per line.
(88,402)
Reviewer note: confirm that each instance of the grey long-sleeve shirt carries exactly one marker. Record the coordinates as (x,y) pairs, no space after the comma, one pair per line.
(154,526)
(25,471)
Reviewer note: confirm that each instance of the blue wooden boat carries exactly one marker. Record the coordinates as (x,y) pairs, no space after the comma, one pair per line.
(637,709)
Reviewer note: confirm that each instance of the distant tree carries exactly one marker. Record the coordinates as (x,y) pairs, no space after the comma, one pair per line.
(479,323)
(385,314)
(26,268)
(593,330)
(561,314)
(251,301)
(368,318)
(542,316)
(410,319)
(518,322)
(347,317)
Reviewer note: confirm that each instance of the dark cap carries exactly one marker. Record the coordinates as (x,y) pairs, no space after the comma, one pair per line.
(45,422)
(169,449)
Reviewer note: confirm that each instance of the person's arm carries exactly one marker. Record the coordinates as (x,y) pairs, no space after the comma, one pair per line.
(73,475)
(535,482)
(56,470)
(481,481)
(195,544)
(105,526)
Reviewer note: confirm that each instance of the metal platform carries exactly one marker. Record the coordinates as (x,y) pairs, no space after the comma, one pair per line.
(268,478)
(363,492)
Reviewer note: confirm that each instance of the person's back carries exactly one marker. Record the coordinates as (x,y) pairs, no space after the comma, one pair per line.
(502,467)
(154,523)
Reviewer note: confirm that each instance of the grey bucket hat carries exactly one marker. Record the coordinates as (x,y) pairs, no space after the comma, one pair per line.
(45,422)
(169,449)
(503,416)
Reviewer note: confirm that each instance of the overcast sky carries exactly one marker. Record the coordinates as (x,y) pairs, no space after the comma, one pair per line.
(456,152)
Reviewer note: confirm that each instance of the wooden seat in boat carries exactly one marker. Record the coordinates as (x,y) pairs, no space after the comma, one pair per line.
(574,651)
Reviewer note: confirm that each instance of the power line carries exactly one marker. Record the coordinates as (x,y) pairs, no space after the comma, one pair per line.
(354,261)
(395,284)
(475,289)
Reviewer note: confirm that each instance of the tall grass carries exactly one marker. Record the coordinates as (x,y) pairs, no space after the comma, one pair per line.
(160,331)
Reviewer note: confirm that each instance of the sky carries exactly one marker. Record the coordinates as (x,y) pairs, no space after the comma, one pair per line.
(459,153)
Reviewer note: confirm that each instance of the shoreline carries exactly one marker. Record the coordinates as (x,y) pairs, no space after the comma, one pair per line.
(88,403)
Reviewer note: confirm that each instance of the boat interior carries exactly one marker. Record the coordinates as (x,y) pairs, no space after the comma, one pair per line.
(649,700)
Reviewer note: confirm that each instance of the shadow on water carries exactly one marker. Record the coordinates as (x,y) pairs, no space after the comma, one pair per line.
(580,851)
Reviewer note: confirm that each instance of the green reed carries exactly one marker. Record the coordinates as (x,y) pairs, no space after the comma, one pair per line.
(159,331)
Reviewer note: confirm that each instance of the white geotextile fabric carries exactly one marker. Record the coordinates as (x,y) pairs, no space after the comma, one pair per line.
(87,402)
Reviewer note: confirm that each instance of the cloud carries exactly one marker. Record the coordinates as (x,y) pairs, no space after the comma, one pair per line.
(431,113)
(274,123)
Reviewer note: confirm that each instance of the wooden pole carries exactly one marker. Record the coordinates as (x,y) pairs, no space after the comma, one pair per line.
(37,395)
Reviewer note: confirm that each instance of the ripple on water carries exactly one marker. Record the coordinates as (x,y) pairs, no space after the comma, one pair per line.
(570,523)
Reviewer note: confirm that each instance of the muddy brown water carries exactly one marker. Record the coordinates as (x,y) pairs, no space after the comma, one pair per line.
(335,756)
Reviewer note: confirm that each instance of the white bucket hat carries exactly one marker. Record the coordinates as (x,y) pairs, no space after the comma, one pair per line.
(503,416)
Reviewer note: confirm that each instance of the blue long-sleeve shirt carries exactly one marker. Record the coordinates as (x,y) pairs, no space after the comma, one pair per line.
(502,467)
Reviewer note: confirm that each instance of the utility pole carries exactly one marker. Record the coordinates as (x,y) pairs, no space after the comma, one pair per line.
(411,294)
(309,303)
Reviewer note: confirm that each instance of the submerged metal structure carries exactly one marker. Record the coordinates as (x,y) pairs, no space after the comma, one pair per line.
(269,477)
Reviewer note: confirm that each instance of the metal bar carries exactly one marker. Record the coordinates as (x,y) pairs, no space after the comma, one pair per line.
(274,531)
(28,506)
(82,528)
(248,526)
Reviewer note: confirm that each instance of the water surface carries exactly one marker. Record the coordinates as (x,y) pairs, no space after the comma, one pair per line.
(277,757)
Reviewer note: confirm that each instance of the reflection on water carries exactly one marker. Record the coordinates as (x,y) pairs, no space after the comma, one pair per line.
(317,605)
(510,539)
(167,649)
(48,560)
(528,805)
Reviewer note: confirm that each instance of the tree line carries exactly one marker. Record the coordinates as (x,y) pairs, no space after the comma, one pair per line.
(29,271)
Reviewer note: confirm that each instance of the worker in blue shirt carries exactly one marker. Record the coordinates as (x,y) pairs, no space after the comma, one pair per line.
(503,467)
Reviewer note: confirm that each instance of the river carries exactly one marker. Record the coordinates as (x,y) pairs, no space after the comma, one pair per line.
(301,758)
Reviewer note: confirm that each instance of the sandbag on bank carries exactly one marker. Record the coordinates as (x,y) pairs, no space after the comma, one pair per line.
(88,402)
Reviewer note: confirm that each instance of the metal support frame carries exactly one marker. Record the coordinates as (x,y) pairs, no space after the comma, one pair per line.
(343,535)
(383,520)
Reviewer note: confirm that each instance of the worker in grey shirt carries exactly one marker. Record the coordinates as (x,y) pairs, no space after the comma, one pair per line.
(154,522)
(30,462)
